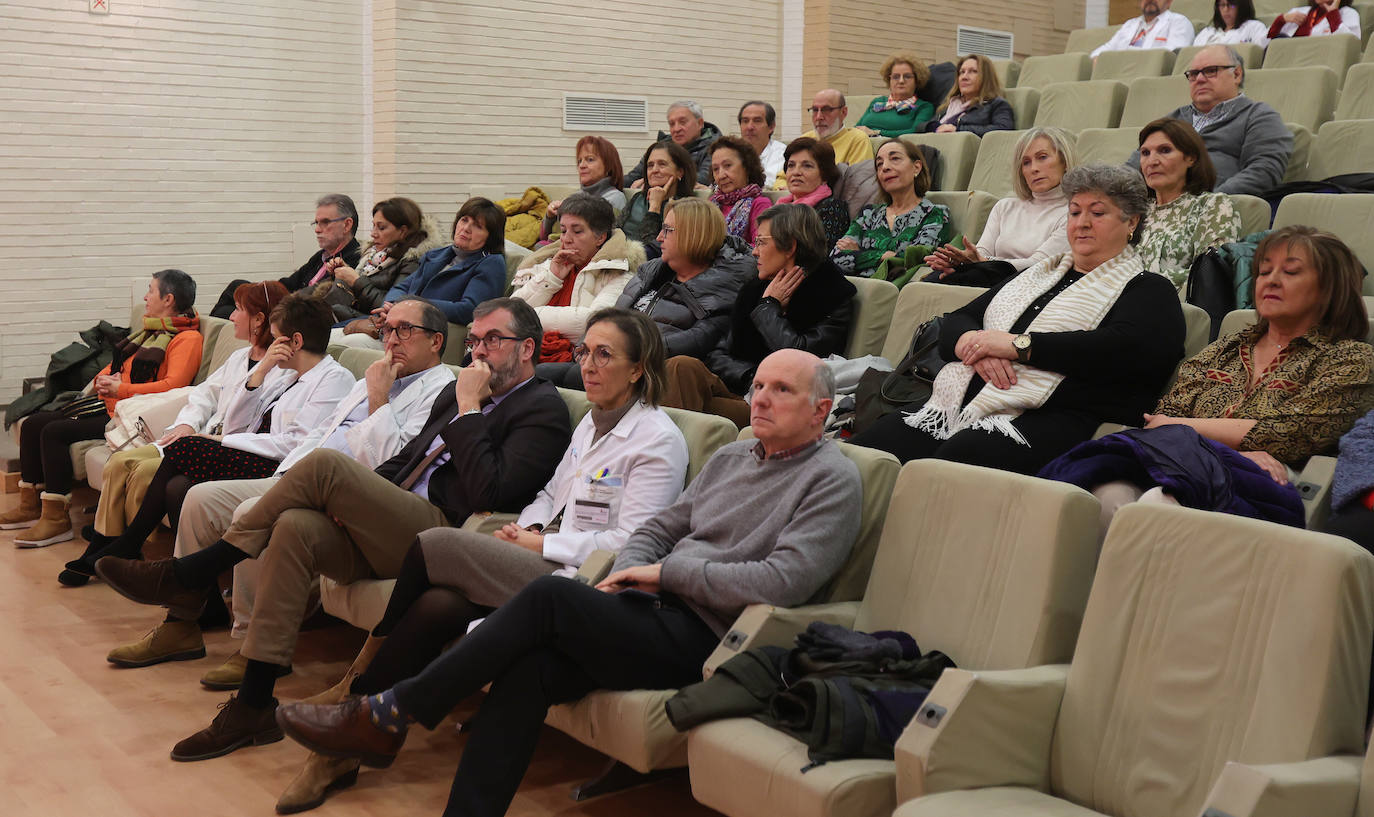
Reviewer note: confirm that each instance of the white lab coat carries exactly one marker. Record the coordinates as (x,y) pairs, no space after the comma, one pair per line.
(205,407)
(1350,23)
(379,436)
(1171,30)
(301,404)
(645,452)
(1250,31)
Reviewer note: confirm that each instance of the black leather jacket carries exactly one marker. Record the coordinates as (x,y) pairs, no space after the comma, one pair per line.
(693,315)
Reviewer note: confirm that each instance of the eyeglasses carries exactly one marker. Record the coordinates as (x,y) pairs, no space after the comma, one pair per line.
(1209,71)
(601,356)
(825,109)
(491,342)
(402,331)
(666,230)
(325,222)
(901,77)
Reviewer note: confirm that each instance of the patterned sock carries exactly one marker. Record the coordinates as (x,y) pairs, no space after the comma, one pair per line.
(387,713)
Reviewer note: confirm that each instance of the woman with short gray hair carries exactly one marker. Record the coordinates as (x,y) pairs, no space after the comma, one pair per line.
(1036,364)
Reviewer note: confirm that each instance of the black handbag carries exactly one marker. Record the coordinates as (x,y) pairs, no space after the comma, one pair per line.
(908,386)
(1212,287)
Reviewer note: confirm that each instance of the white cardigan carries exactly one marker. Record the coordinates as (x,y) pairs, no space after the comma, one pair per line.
(1250,31)
(1024,233)
(645,452)
(205,407)
(301,404)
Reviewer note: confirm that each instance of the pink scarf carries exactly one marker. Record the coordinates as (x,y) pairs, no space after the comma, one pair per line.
(811,199)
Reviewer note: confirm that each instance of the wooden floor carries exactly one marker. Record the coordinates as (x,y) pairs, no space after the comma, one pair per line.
(81,737)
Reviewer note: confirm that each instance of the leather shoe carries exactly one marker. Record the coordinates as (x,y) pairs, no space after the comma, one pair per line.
(237,725)
(320,776)
(343,730)
(151,583)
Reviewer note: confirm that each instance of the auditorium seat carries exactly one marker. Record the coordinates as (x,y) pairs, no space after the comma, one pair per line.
(1342,147)
(1078,105)
(1349,216)
(1302,96)
(917,303)
(873,305)
(1037,72)
(1356,100)
(1149,98)
(1337,52)
(1302,151)
(957,153)
(1007,72)
(1139,62)
(1217,655)
(968,210)
(996,583)
(1084,40)
(1109,146)
(992,169)
(1254,211)
(1023,102)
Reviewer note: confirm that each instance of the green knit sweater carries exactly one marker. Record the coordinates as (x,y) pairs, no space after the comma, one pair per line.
(894,122)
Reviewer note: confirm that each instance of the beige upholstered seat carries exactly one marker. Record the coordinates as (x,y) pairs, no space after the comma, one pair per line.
(1350,216)
(1084,40)
(1138,62)
(1152,97)
(1302,96)
(1342,147)
(1008,71)
(873,305)
(1302,150)
(997,583)
(1357,95)
(1110,146)
(1023,102)
(632,728)
(1336,51)
(1037,72)
(958,151)
(917,303)
(1078,105)
(1210,641)
(968,210)
(992,171)
(1254,213)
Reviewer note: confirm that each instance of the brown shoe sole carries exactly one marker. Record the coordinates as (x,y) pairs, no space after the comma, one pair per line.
(260,739)
(341,782)
(188,655)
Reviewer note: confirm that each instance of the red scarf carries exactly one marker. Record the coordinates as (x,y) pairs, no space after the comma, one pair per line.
(563,297)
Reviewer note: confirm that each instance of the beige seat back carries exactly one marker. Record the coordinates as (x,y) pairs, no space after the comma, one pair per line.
(1350,216)
(958,151)
(1078,105)
(1038,72)
(1137,62)
(918,302)
(1302,96)
(577,402)
(356,360)
(1251,53)
(1302,150)
(704,433)
(1207,638)
(1341,147)
(1254,212)
(219,344)
(1192,9)
(990,567)
(1357,95)
(1008,71)
(1084,40)
(1197,326)
(1150,98)
(992,170)
(1023,102)
(968,210)
(1336,51)
(1108,146)
(878,470)
(873,305)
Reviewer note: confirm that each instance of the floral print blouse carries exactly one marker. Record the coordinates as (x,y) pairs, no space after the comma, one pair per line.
(926,224)
(1185,228)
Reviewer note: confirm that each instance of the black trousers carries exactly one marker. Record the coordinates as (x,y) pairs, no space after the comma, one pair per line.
(554,642)
(224,307)
(1049,434)
(43,441)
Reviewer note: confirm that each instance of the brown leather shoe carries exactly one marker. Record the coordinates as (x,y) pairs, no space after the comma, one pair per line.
(237,725)
(344,730)
(151,583)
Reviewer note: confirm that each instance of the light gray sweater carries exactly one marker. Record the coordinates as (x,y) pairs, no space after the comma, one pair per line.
(1249,147)
(748,531)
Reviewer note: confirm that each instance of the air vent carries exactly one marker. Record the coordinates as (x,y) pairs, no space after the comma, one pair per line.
(994,44)
(596,113)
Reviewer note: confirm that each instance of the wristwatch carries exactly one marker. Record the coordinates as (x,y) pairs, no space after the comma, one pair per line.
(1022,344)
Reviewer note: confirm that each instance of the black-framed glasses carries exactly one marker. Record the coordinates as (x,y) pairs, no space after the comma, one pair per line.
(824,109)
(491,342)
(601,356)
(402,331)
(325,222)
(1209,71)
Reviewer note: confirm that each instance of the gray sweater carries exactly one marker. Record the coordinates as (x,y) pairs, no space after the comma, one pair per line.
(748,531)
(1250,146)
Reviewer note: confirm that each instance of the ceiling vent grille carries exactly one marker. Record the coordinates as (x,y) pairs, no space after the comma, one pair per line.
(583,113)
(994,44)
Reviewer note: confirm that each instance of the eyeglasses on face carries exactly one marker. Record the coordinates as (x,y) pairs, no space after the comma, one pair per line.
(825,110)
(491,342)
(666,230)
(901,77)
(402,331)
(1209,71)
(600,356)
(325,222)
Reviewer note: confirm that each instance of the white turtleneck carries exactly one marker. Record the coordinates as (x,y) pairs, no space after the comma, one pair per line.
(1024,233)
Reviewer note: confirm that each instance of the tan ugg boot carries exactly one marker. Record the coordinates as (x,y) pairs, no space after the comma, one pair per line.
(54,525)
(339,691)
(319,776)
(28,511)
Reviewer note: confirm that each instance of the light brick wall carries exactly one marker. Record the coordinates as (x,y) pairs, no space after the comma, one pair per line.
(188,134)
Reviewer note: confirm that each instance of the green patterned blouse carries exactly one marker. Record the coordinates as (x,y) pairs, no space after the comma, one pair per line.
(926,224)
(1183,229)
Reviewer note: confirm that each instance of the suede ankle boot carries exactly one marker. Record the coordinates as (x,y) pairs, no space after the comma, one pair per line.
(319,776)
(339,691)
(54,525)
(28,511)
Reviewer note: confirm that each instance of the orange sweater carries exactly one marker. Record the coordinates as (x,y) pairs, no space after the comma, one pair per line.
(178,369)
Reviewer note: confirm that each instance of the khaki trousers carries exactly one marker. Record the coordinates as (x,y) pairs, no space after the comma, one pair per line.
(206,513)
(123,485)
(692,386)
(327,516)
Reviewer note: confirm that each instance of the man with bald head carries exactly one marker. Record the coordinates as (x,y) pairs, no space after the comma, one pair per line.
(1247,141)
(828,111)
(767,521)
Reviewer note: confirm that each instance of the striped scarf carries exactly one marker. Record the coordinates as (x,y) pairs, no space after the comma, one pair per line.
(736,206)
(148,346)
(1081,306)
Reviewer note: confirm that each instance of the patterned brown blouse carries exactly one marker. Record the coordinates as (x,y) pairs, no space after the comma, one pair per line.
(1311,394)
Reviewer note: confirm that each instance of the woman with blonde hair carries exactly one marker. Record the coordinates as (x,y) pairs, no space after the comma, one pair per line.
(901,111)
(975,104)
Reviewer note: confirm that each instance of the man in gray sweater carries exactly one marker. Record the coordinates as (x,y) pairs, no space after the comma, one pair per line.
(1247,140)
(765,522)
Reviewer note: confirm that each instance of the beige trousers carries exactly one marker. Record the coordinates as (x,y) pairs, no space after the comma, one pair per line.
(123,485)
(206,513)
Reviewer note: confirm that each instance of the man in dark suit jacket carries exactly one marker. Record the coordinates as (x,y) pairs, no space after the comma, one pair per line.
(490,444)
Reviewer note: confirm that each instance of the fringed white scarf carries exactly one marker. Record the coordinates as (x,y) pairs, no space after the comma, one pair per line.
(1081,306)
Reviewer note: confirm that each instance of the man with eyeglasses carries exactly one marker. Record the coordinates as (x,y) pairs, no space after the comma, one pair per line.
(1246,139)
(828,111)
(489,444)
(688,127)
(1156,27)
(336,220)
